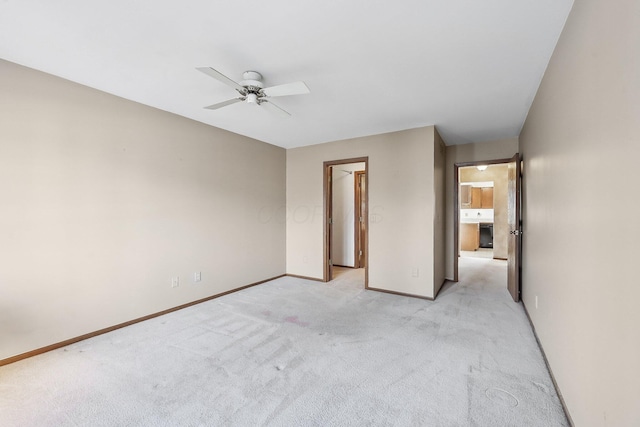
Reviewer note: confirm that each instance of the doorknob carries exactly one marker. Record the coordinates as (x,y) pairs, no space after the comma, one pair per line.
(515,232)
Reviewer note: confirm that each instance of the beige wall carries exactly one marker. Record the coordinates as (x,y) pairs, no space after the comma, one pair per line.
(105,200)
(499,175)
(401,207)
(502,149)
(581,145)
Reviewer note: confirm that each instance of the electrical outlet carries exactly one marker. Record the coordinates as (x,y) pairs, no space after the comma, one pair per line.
(175,282)
(197,276)
(415,272)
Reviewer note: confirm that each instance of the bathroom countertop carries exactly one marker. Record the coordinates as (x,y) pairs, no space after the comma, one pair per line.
(476,220)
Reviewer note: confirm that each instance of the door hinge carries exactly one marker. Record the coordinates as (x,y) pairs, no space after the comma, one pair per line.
(330,221)
(330,262)
(360,253)
(361,219)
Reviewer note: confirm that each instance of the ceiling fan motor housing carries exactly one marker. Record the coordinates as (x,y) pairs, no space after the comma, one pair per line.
(253,83)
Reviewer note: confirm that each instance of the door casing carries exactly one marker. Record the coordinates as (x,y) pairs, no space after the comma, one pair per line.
(514,281)
(327,212)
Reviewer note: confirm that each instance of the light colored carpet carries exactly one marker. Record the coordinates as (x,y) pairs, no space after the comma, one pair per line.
(478,253)
(298,353)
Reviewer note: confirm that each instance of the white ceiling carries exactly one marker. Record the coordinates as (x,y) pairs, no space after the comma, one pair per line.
(471,67)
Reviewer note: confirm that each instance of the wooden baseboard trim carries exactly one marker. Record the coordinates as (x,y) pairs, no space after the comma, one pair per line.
(386,291)
(546,362)
(122,325)
(315,279)
(501,259)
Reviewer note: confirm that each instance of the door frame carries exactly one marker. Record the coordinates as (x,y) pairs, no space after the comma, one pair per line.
(456,205)
(327,273)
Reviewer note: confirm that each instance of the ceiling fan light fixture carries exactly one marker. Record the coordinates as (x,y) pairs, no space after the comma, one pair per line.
(252,98)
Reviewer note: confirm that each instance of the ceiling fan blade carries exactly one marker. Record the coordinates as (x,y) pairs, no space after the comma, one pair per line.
(221,77)
(274,107)
(295,88)
(224,103)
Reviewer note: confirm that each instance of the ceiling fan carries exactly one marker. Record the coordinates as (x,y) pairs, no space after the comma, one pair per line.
(252,91)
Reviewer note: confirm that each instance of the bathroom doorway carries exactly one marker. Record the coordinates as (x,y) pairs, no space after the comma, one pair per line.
(486,218)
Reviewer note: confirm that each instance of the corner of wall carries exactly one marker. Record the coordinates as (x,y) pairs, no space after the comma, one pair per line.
(439,223)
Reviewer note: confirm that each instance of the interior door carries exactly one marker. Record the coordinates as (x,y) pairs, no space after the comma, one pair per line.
(360,223)
(515,228)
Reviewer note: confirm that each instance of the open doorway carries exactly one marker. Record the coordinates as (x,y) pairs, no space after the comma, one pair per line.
(483,211)
(487,216)
(346,219)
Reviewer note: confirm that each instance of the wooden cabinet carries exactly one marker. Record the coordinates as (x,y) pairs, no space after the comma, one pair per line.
(469,237)
(476,198)
(465,195)
(482,198)
(487,197)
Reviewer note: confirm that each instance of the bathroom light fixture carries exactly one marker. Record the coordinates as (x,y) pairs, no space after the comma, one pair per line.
(482,167)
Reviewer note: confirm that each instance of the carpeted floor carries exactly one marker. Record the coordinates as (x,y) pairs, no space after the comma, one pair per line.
(478,253)
(298,353)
